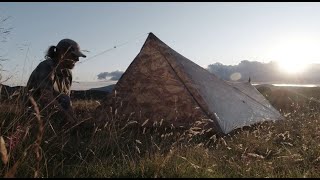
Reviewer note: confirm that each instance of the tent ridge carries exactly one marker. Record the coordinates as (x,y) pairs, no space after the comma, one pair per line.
(213,117)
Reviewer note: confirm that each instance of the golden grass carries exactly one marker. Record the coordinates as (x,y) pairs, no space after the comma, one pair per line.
(119,146)
(3,151)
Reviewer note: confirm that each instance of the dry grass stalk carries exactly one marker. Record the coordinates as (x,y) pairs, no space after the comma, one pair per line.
(39,136)
(3,151)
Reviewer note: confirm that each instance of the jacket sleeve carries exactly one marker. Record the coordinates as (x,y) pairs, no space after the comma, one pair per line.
(42,81)
(44,77)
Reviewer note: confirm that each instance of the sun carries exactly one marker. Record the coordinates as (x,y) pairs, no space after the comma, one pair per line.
(291,66)
(294,52)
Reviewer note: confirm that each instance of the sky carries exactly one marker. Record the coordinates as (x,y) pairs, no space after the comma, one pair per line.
(206,33)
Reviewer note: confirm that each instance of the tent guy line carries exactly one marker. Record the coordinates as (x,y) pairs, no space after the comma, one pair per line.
(114,47)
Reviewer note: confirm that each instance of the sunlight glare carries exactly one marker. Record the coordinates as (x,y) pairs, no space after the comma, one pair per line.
(292,66)
(294,53)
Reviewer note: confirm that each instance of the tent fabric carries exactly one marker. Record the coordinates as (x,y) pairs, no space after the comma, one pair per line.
(249,90)
(160,84)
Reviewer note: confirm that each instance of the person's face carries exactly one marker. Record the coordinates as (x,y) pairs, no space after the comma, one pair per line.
(69,60)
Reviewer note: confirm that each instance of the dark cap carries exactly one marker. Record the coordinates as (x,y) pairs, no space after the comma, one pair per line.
(71,46)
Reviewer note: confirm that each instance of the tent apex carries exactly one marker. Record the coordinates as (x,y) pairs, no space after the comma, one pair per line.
(152,36)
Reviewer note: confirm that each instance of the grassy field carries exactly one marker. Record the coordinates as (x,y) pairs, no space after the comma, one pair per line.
(116,147)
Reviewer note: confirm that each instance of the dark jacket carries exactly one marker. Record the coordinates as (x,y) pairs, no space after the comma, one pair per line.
(47,78)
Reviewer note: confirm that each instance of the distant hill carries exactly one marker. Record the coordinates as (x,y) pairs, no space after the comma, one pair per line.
(93,85)
(105,88)
(8,92)
(88,94)
(93,93)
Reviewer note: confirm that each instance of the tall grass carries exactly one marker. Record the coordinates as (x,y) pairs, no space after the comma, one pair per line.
(121,146)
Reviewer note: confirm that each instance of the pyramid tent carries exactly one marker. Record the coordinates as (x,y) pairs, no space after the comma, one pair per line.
(161,84)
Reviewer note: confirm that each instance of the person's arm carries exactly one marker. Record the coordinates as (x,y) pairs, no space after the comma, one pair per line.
(45,83)
(47,97)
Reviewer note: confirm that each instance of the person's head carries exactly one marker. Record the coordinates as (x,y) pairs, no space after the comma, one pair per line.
(66,52)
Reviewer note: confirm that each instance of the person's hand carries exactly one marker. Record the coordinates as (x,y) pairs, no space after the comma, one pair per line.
(70,116)
(65,106)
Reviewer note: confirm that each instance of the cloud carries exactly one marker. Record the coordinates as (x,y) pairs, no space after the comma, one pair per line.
(114,75)
(102,75)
